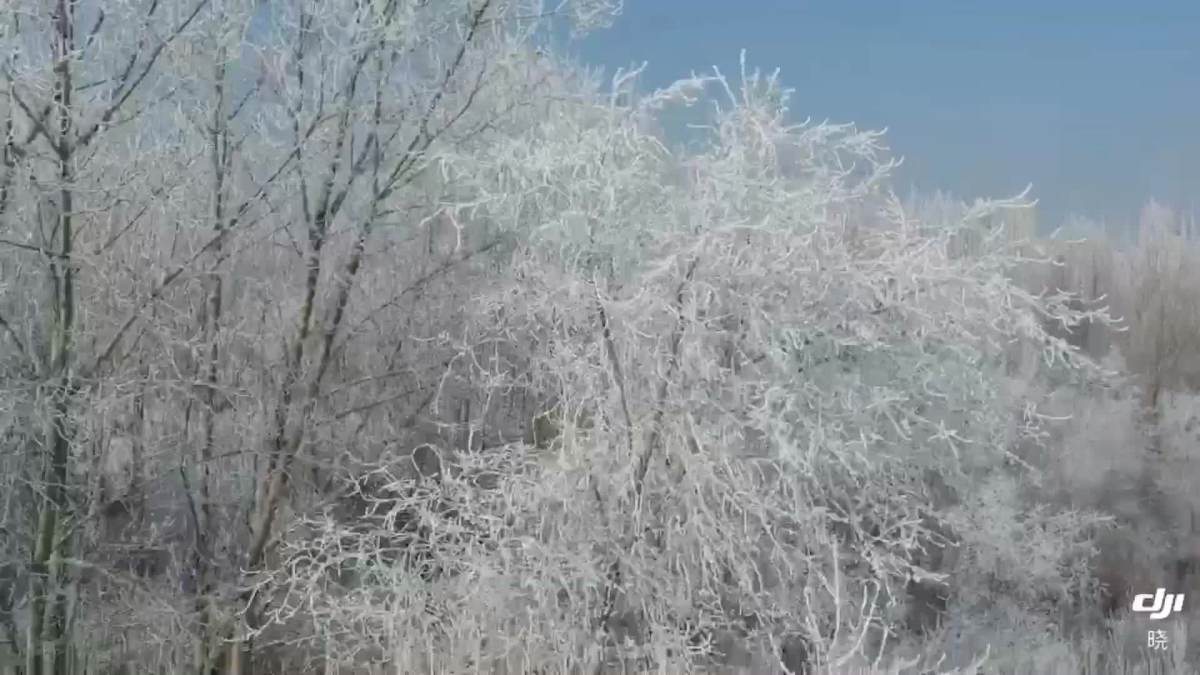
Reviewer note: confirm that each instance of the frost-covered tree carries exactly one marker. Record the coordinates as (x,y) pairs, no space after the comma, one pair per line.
(208,217)
(775,409)
(342,335)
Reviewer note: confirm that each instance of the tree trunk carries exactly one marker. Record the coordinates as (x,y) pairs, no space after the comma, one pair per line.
(46,640)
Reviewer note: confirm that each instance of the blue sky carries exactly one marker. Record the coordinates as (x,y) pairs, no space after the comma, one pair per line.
(1096,102)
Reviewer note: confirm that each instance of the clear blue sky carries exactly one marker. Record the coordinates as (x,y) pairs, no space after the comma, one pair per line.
(1095,102)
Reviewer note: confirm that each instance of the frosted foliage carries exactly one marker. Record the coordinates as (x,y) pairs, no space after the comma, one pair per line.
(1180,423)
(589,15)
(1023,549)
(1179,429)
(760,365)
(1101,442)
(372,336)
(1158,281)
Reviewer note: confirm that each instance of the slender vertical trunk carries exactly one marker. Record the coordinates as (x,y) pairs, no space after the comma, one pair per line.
(1157,374)
(46,642)
(211,318)
(138,449)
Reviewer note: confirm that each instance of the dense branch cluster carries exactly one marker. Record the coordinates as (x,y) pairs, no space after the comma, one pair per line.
(343,336)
